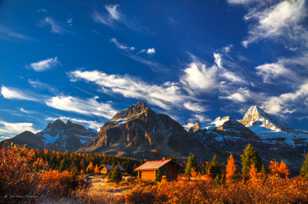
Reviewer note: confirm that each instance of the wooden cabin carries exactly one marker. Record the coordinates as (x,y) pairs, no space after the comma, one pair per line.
(155,170)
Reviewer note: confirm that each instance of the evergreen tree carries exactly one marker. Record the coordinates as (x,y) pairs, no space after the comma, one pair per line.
(304,168)
(191,164)
(214,169)
(115,174)
(250,157)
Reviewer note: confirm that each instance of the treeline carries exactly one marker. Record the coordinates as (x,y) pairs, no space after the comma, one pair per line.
(81,163)
(250,165)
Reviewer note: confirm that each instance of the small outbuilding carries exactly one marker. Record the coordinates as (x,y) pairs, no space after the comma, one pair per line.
(155,170)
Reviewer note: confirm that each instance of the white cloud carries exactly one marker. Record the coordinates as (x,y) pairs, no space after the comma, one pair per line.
(218,60)
(113,15)
(9,129)
(194,107)
(12,93)
(151,51)
(287,102)
(279,20)
(81,106)
(272,71)
(240,96)
(113,11)
(53,25)
(162,96)
(45,64)
(200,78)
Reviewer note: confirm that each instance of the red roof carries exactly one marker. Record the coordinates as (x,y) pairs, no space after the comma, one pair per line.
(152,165)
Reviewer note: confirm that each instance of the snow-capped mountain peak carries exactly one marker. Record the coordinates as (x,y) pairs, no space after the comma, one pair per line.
(256,115)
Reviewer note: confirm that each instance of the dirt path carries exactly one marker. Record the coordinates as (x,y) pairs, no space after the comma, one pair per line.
(100,186)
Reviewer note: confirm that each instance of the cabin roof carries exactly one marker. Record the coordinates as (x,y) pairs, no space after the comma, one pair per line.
(153,165)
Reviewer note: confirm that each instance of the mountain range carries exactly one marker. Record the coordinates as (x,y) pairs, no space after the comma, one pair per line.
(140,132)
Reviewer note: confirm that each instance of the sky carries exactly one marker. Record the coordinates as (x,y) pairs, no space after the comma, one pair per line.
(193,60)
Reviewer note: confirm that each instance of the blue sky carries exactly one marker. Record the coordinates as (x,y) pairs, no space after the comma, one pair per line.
(194,60)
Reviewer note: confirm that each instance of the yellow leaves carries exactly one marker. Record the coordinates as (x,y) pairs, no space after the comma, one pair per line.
(230,169)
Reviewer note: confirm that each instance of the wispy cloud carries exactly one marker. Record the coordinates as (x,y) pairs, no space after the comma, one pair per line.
(90,107)
(41,85)
(45,64)
(280,20)
(121,45)
(10,129)
(53,25)
(162,96)
(132,53)
(112,15)
(271,71)
(241,2)
(12,93)
(7,33)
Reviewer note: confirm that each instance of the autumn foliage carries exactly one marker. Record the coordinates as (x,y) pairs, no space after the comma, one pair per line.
(230,169)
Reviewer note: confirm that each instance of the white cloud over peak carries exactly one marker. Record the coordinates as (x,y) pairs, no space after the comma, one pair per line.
(45,64)
(9,129)
(12,93)
(194,107)
(280,19)
(163,96)
(81,106)
(239,96)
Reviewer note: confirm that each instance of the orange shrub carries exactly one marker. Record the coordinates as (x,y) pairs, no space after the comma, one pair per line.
(55,183)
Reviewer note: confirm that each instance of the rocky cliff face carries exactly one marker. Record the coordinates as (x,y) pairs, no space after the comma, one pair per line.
(140,132)
(58,135)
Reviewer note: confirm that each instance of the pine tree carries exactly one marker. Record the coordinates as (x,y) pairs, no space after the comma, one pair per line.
(191,164)
(230,169)
(115,174)
(304,168)
(214,169)
(249,157)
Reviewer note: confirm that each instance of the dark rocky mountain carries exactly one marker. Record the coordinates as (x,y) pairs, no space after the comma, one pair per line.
(58,135)
(140,132)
